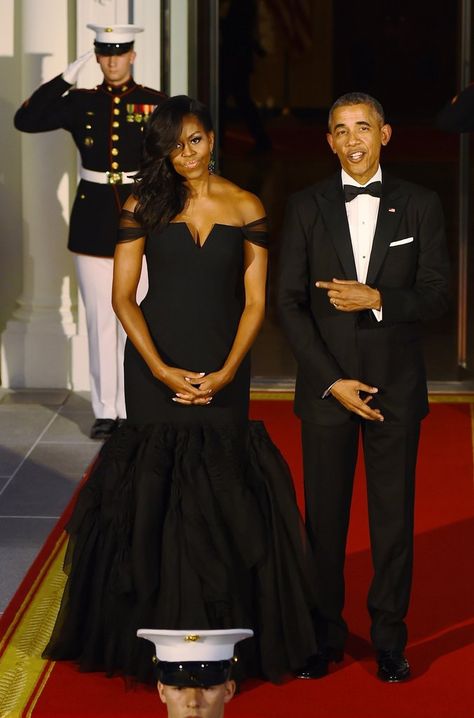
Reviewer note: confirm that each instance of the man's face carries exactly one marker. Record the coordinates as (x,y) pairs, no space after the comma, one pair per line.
(356,136)
(116,68)
(196,702)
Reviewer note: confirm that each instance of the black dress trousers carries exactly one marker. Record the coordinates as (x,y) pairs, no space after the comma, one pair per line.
(330,456)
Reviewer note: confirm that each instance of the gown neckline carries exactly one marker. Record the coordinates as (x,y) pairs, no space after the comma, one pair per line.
(197,243)
(200,245)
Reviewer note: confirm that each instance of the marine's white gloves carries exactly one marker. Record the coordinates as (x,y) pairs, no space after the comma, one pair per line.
(72,71)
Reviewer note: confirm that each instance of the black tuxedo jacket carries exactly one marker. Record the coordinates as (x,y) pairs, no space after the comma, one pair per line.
(408,265)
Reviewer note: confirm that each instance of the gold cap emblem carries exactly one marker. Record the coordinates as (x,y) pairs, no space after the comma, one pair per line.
(192,637)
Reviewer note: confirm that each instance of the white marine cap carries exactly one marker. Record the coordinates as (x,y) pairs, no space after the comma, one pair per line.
(108,36)
(191,646)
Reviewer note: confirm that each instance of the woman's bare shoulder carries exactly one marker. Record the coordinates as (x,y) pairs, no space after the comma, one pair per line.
(247,204)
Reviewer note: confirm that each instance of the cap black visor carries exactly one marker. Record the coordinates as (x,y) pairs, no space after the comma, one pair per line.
(112,48)
(202,675)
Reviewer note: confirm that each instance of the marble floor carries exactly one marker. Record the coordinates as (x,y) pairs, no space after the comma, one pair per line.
(44,450)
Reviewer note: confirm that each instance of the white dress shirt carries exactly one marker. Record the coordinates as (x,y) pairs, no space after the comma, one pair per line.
(362,214)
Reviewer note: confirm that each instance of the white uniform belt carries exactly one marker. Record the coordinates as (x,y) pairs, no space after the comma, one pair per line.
(107,177)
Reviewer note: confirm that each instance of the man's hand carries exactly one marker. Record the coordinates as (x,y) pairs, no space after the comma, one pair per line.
(72,71)
(346,391)
(350,295)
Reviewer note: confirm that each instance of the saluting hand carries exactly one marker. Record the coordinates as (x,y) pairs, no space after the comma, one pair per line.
(72,71)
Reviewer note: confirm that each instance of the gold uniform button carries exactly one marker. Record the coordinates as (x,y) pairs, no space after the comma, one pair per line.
(124,88)
(109,88)
(83,196)
(117,100)
(115,138)
(115,123)
(116,111)
(88,127)
(115,165)
(114,151)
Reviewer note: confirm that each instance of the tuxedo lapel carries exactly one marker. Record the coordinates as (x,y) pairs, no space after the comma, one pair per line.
(333,210)
(392,205)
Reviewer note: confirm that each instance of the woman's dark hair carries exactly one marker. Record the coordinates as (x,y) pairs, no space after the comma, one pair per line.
(160,190)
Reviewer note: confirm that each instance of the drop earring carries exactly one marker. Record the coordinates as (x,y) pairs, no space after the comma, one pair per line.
(212,163)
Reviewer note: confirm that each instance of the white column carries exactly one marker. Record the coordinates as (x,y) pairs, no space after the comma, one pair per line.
(179,47)
(36,342)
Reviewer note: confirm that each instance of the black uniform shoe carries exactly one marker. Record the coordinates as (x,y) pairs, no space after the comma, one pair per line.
(103,428)
(318,665)
(393,666)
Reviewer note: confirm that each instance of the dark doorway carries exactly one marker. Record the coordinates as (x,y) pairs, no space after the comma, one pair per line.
(300,56)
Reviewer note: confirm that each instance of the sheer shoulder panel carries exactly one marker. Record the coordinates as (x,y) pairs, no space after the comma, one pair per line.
(129,228)
(256,232)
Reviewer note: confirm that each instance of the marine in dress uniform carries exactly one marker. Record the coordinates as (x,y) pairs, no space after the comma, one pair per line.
(194,669)
(106,124)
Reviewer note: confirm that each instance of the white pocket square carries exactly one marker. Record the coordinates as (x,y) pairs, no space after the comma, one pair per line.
(401,241)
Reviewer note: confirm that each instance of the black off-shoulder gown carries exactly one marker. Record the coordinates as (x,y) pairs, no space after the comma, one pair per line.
(189,518)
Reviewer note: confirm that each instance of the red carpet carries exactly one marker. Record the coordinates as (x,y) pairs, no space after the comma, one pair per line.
(441,618)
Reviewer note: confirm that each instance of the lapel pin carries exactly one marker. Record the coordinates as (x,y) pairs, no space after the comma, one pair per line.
(391,209)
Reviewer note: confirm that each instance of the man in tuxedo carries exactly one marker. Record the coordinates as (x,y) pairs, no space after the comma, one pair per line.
(363,262)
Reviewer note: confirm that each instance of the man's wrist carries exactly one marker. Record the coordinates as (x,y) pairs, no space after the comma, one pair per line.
(377,300)
(328,390)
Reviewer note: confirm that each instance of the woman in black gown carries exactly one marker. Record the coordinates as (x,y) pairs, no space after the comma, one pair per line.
(189,518)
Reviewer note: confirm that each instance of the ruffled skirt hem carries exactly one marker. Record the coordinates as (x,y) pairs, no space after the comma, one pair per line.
(186,527)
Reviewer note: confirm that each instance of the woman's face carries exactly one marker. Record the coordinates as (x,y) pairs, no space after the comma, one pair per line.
(190,158)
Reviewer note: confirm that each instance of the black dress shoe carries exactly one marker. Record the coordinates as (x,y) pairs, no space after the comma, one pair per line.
(318,665)
(103,428)
(393,666)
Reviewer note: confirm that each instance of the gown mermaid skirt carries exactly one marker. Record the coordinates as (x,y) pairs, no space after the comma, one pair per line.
(188,519)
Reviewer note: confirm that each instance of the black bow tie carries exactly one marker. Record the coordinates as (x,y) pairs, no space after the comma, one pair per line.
(351,191)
